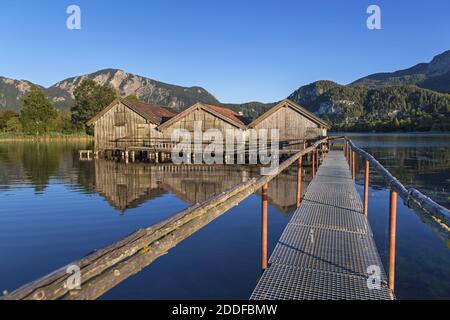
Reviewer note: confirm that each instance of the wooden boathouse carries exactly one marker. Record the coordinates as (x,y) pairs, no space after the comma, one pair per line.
(210,116)
(129,129)
(293,121)
(125,123)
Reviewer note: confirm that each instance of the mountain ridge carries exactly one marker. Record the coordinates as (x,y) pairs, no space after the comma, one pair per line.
(432,75)
(395,93)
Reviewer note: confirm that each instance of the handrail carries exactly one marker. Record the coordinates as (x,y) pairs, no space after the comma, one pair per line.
(412,198)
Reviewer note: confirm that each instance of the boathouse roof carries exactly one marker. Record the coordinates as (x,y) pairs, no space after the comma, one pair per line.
(225,114)
(154,113)
(296,107)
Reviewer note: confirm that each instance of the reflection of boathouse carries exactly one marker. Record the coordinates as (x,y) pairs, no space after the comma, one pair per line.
(128,186)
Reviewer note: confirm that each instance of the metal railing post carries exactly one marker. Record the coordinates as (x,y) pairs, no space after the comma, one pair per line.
(353,165)
(313,163)
(366,188)
(264,227)
(392,238)
(317,159)
(299,182)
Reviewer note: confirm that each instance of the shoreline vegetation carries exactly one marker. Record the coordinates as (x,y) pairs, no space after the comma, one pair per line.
(53,136)
(83,137)
(39,120)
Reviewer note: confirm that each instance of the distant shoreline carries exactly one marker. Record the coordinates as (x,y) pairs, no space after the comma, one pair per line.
(390,133)
(8,137)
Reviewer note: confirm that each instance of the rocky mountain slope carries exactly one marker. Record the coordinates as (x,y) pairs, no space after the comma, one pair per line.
(388,107)
(367,103)
(434,76)
(146,89)
(11,90)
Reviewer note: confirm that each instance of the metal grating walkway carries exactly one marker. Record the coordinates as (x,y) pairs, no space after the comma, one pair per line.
(326,248)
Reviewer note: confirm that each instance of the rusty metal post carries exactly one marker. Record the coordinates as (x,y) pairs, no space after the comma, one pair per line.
(348,154)
(349,159)
(313,163)
(299,182)
(366,188)
(353,166)
(392,236)
(317,159)
(264,224)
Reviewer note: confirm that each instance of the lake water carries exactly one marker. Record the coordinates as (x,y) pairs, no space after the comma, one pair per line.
(55,209)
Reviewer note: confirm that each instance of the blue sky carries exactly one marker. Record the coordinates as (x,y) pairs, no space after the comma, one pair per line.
(238,50)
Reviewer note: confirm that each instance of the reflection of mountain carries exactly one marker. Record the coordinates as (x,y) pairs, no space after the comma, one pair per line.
(425,169)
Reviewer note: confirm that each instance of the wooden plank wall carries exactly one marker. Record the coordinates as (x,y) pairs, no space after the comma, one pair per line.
(106,131)
(209,121)
(292,125)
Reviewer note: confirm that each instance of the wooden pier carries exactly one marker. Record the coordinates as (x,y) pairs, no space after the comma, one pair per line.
(327,249)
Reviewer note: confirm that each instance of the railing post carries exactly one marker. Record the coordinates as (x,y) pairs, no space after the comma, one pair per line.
(392,238)
(353,165)
(299,182)
(348,154)
(366,188)
(264,226)
(317,158)
(313,163)
(349,160)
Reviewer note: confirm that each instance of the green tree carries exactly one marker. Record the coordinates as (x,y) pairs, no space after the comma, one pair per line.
(5,115)
(90,99)
(395,124)
(36,112)
(63,122)
(14,125)
(133,97)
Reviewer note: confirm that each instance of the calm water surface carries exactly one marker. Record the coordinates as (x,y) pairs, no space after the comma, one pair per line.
(55,209)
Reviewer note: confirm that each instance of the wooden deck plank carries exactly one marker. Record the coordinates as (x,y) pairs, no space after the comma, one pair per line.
(327,247)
